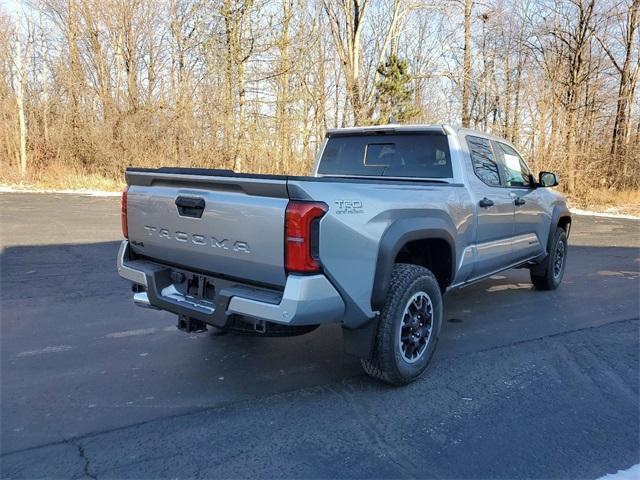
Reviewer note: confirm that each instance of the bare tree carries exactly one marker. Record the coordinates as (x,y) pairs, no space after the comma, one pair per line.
(20,89)
(253,84)
(628,76)
(466,67)
(346,22)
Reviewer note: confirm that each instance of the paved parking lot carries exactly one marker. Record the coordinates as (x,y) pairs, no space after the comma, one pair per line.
(524,383)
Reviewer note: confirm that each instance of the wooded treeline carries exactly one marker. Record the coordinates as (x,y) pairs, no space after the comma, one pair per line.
(92,86)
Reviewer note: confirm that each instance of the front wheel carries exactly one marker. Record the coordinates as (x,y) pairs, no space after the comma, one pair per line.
(408,326)
(548,275)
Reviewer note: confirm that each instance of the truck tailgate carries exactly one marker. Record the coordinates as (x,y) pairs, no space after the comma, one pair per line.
(231,225)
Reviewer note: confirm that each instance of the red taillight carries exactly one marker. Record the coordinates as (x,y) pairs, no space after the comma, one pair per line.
(125,227)
(301,236)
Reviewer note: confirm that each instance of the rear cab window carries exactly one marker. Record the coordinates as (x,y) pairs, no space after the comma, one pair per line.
(400,154)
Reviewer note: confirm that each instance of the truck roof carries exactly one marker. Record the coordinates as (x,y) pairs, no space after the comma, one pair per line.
(393,127)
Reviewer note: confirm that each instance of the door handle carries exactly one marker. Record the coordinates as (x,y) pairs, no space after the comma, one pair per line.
(190,207)
(519,201)
(485,202)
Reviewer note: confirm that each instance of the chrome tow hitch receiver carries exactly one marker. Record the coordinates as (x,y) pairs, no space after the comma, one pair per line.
(191,325)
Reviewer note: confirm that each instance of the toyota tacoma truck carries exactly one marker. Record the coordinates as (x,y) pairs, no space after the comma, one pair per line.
(392,218)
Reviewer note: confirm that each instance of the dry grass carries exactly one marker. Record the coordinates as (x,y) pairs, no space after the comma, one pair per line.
(59,178)
(625,202)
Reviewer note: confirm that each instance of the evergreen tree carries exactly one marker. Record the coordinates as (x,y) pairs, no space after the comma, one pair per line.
(395,93)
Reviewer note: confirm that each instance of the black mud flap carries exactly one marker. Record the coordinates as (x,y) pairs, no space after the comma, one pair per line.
(359,341)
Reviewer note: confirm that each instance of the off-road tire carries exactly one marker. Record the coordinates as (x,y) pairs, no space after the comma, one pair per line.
(387,362)
(546,276)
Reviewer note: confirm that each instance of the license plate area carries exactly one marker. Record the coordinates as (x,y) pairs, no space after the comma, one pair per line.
(199,296)
(198,287)
(188,290)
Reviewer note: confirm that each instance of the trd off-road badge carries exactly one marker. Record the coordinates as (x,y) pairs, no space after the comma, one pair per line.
(349,206)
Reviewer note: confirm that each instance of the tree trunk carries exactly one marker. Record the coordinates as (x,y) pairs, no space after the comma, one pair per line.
(355,51)
(20,102)
(515,130)
(75,77)
(466,68)
(228,121)
(239,149)
(130,55)
(45,83)
(621,125)
(282,90)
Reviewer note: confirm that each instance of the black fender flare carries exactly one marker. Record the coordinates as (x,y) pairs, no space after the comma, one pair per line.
(540,263)
(400,232)
(559,211)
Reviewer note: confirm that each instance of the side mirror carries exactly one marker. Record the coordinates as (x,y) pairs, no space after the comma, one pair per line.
(548,179)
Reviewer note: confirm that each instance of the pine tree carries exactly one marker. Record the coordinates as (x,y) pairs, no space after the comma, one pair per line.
(395,93)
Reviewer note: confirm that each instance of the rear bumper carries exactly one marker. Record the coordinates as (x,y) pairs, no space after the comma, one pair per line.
(306,299)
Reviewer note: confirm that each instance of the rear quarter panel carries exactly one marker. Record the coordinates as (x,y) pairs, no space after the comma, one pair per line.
(358,216)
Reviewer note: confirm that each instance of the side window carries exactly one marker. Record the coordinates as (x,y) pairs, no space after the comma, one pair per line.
(484,164)
(516,171)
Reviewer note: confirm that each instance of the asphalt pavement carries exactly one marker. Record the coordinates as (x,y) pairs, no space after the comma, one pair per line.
(524,384)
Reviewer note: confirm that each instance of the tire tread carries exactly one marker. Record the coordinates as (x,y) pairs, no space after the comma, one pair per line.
(542,279)
(381,365)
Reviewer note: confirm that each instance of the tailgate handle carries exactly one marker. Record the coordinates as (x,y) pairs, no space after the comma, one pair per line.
(190,207)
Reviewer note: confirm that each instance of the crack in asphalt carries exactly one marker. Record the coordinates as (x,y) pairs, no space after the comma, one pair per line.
(370,431)
(76,444)
(553,335)
(83,456)
(75,441)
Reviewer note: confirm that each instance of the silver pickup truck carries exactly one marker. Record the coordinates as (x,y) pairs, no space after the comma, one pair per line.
(392,218)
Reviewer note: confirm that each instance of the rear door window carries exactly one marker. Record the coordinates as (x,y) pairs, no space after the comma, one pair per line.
(415,155)
(484,163)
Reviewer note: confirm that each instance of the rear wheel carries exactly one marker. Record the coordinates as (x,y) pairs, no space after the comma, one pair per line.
(548,274)
(408,326)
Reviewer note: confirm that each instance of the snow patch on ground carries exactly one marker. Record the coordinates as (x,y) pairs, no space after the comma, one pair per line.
(609,213)
(82,191)
(57,348)
(132,333)
(632,473)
